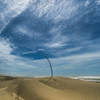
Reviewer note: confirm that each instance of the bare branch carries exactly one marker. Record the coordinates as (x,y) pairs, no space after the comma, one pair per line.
(50,66)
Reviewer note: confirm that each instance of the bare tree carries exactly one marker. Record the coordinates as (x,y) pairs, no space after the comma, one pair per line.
(50,66)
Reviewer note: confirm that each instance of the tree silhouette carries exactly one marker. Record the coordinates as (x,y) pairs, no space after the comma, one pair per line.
(50,66)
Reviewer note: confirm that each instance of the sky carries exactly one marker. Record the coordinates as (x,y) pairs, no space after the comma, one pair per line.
(65,31)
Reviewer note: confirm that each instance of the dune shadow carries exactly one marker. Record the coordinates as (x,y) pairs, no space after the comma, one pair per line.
(48,80)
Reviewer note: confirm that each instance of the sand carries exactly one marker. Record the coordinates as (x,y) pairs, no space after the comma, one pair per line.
(56,88)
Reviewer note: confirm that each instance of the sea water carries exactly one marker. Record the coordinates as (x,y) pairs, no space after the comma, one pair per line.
(87,78)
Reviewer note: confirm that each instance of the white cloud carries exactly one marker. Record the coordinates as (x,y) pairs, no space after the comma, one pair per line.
(11,10)
(9,62)
(22,30)
(98,2)
(40,49)
(58,40)
(29,52)
(55,10)
(73,49)
(86,3)
(15,6)
(70,62)
(5,48)
(77,61)
(55,30)
(55,45)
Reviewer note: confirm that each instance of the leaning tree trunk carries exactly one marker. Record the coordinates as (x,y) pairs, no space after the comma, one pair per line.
(50,66)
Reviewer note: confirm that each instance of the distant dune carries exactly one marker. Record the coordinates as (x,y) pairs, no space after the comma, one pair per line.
(56,88)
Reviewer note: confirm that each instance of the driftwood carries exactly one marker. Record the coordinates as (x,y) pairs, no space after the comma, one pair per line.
(50,66)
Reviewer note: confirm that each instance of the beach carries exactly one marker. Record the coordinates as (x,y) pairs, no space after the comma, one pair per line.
(47,88)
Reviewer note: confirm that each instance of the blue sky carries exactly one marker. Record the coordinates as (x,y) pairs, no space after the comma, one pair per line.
(66,31)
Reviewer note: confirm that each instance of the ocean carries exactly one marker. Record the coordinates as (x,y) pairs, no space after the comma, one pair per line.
(87,78)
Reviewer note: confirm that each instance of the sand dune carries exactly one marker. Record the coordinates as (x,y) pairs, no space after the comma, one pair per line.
(57,88)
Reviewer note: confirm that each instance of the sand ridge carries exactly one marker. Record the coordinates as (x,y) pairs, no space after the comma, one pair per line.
(16,97)
(56,88)
(5,95)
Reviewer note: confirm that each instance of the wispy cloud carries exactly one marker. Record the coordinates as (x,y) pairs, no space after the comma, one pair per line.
(14,63)
(86,3)
(5,48)
(56,45)
(10,9)
(9,62)
(55,10)
(98,2)
(74,49)
(40,49)
(66,31)
(29,52)
(82,61)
